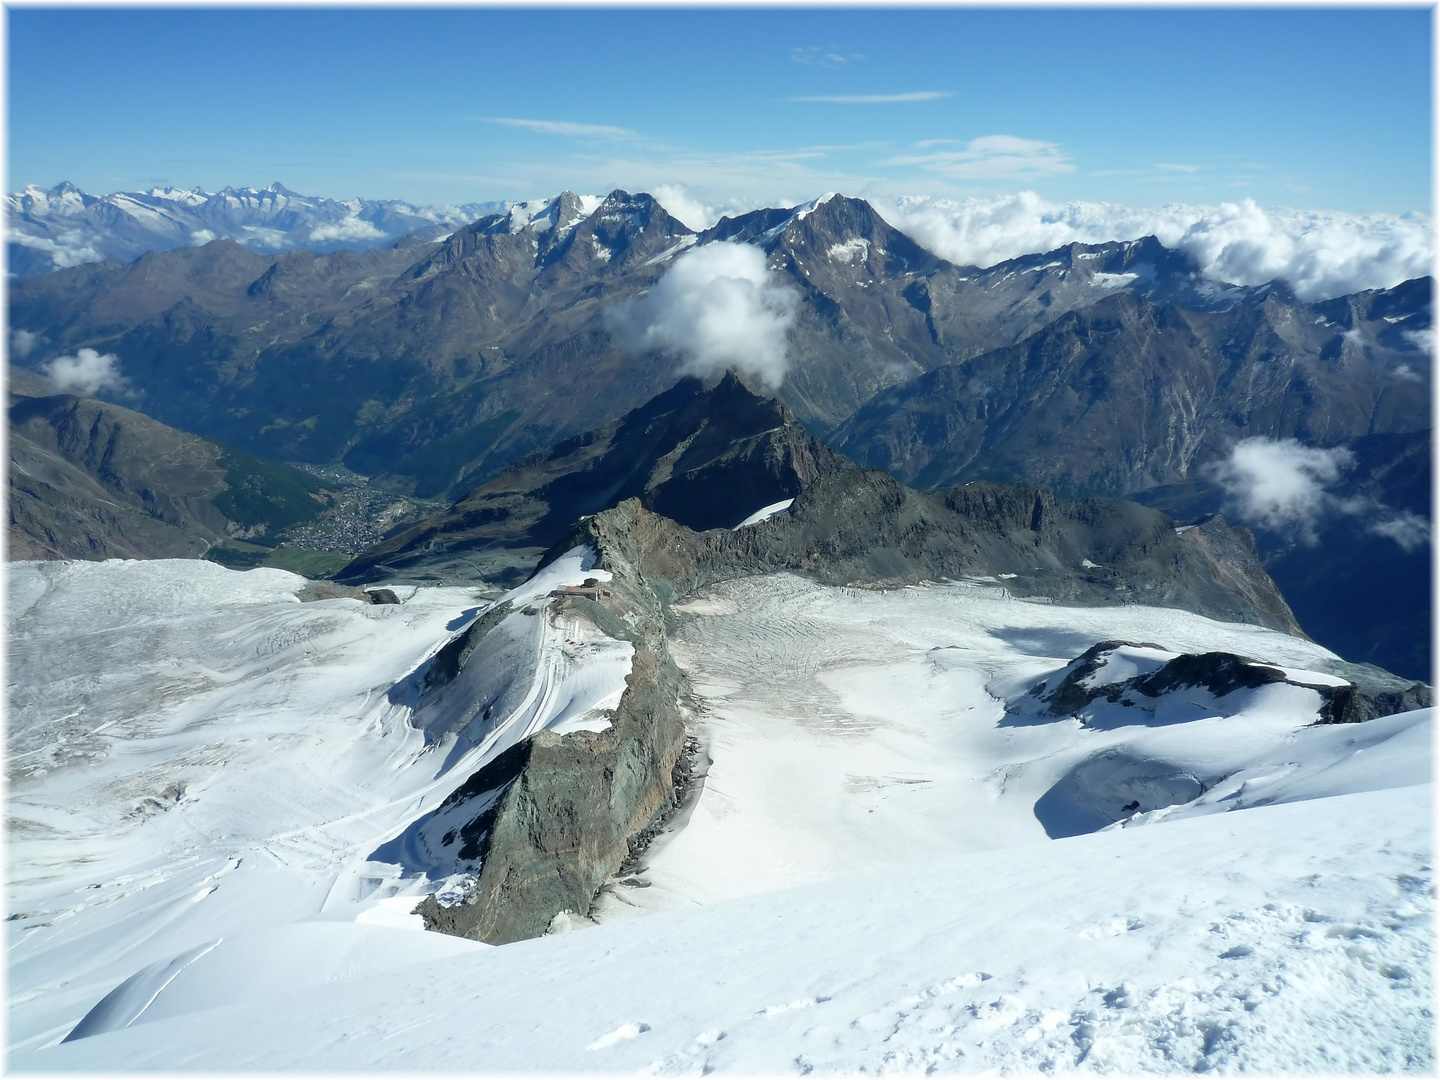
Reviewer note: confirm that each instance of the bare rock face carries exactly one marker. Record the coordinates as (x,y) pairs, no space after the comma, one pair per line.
(1126,394)
(1368,693)
(555,816)
(706,457)
(862,527)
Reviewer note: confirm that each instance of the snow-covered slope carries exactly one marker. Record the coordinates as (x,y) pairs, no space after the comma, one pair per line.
(193,753)
(851,729)
(213,851)
(1294,938)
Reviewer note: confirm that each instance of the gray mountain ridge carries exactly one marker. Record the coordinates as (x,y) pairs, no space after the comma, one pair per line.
(703,459)
(1130,394)
(434,365)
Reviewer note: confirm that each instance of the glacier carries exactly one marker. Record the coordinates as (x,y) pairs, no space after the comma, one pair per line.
(203,771)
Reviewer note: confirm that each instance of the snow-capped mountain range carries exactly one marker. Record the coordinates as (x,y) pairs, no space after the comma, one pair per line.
(49,229)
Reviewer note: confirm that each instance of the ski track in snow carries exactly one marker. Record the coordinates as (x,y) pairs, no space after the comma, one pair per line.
(196,755)
(200,767)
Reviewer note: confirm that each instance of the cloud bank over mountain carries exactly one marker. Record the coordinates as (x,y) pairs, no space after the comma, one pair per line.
(1320,254)
(719,306)
(1284,485)
(87,372)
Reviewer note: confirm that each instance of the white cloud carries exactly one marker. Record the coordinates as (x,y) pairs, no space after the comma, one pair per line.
(1177,167)
(201,237)
(350,228)
(22,342)
(1320,254)
(87,372)
(719,306)
(564,127)
(680,203)
(1281,485)
(1408,530)
(877,99)
(691,208)
(69,248)
(1424,339)
(992,157)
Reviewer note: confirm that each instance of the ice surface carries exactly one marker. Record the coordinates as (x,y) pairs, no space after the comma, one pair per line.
(197,755)
(202,769)
(1292,938)
(849,730)
(1113,281)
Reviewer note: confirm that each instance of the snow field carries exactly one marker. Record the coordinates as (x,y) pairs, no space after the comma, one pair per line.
(219,823)
(849,730)
(196,756)
(1292,938)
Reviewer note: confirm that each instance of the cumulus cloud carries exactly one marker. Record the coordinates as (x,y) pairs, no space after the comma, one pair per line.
(87,372)
(1283,485)
(1321,255)
(1424,340)
(694,210)
(1280,483)
(681,203)
(992,157)
(22,342)
(719,306)
(346,229)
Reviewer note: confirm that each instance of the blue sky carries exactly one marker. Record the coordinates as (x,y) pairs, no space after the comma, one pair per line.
(1325,109)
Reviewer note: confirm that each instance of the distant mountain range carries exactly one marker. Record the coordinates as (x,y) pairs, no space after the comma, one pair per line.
(48,229)
(436,365)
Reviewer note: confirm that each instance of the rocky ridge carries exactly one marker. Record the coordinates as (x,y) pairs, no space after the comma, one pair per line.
(1359,692)
(1129,394)
(705,457)
(434,363)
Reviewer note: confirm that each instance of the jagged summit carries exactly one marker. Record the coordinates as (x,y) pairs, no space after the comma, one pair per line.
(706,456)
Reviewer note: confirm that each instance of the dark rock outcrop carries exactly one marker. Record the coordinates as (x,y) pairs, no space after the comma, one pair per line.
(706,458)
(557,815)
(1371,693)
